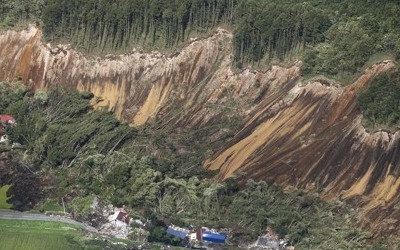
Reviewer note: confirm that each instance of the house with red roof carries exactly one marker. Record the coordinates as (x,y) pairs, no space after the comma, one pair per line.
(7,120)
(120,215)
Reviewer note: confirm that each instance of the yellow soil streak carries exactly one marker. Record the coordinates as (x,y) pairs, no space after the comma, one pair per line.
(359,187)
(154,101)
(23,68)
(113,95)
(234,157)
(384,192)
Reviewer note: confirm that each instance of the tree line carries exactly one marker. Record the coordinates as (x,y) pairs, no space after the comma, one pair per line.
(335,38)
(100,25)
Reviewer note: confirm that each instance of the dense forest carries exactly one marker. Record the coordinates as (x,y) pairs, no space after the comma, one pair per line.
(80,153)
(332,38)
(380,102)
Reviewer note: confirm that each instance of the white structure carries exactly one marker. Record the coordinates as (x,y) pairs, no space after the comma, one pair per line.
(4,139)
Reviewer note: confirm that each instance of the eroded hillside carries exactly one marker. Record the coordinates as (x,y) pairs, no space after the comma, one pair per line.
(302,134)
(190,87)
(317,142)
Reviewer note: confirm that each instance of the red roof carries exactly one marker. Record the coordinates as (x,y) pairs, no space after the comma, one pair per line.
(122,216)
(6,118)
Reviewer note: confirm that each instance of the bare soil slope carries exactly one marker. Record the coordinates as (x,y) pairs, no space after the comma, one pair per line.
(302,134)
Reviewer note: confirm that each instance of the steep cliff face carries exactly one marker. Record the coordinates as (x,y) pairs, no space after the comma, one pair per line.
(189,88)
(316,141)
(302,134)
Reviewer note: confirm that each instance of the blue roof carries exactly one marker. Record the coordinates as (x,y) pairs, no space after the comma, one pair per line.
(214,237)
(176,233)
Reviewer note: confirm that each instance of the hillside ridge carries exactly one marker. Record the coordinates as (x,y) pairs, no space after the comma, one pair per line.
(306,135)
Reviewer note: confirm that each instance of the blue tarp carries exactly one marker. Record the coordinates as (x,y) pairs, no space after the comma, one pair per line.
(176,233)
(213,237)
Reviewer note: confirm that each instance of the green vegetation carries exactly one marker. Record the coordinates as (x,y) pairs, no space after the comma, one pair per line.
(380,102)
(50,205)
(20,12)
(4,197)
(43,235)
(333,38)
(88,153)
(104,25)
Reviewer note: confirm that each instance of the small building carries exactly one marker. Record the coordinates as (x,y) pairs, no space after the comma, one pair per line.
(123,216)
(202,234)
(4,139)
(119,216)
(210,236)
(214,237)
(7,120)
(177,232)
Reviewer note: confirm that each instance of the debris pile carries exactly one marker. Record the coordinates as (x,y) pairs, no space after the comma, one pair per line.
(271,241)
(118,224)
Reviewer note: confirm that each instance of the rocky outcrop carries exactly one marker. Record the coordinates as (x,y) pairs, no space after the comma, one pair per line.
(302,134)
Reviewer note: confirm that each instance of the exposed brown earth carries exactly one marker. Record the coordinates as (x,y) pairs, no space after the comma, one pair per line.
(190,88)
(302,134)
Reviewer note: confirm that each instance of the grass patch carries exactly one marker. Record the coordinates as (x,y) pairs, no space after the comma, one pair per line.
(35,241)
(4,197)
(43,235)
(50,205)
(23,234)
